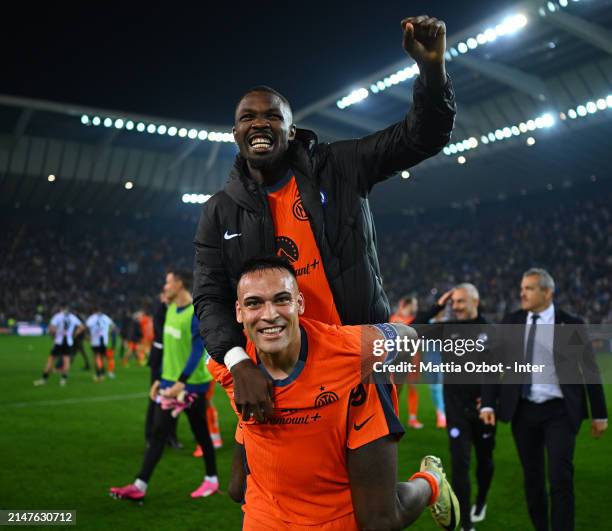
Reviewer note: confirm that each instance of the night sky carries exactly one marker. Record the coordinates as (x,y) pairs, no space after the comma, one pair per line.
(193,63)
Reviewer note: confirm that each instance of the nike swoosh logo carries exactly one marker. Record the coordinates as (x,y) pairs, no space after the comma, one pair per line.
(359,426)
(229,236)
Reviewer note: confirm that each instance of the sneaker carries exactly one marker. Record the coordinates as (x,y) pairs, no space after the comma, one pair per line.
(63,382)
(217,443)
(198,451)
(415,424)
(440,420)
(39,382)
(208,488)
(480,515)
(445,510)
(129,492)
(111,375)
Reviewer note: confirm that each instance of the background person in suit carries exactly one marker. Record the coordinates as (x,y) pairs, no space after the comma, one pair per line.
(545,409)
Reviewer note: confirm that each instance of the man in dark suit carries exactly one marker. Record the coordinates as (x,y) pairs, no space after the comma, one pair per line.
(547,407)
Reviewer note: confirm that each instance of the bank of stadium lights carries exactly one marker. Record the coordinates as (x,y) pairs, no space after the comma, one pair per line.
(552,7)
(195,198)
(590,107)
(541,122)
(508,26)
(160,129)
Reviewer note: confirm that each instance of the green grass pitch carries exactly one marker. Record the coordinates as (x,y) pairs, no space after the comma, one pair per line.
(62,448)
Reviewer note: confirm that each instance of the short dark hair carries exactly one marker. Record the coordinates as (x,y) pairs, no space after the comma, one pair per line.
(184,275)
(265,263)
(269,90)
(409,298)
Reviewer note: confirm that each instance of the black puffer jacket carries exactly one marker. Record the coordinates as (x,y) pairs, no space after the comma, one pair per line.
(334,181)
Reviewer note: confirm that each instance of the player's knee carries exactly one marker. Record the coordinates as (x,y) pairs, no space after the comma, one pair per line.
(236,492)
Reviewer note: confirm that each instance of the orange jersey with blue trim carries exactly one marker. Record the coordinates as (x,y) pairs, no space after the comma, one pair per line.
(295,241)
(296,462)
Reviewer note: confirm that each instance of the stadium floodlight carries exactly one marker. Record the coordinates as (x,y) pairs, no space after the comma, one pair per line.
(531,125)
(523,127)
(172,131)
(492,137)
(572,114)
(193,133)
(362,93)
(453,51)
(462,47)
(182,132)
(563,3)
(96,120)
(591,107)
(461,159)
(129,125)
(548,120)
(609,101)
(507,132)
(490,34)
(446,150)
(453,149)
(472,43)
(374,89)
(202,135)
(185,198)
(481,38)
(108,122)
(51,178)
(581,110)
(531,141)
(129,185)
(460,147)
(515,130)
(551,7)
(484,139)
(140,127)
(601,104)
(119,123)
(85,119)
(151,128)
(161,129)
(405,174)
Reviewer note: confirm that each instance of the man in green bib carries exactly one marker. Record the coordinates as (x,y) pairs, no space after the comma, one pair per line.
(183,385)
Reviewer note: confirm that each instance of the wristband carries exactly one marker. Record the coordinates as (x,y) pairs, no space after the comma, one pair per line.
(233,356)
(433,483)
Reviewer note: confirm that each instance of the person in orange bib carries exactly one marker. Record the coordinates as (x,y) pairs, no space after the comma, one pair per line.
(327,456)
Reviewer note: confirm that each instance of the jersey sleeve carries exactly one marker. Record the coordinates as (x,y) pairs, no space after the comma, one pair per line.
(54,320)
(372,414)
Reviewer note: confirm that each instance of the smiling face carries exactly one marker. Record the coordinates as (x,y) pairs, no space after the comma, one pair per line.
(263,128)
(269,305)
(465,307)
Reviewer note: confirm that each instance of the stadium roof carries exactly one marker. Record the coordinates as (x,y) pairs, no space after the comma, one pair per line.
(534,92)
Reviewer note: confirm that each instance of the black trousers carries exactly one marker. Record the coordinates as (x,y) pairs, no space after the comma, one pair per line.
(541,429)
(465,430)
(162,424)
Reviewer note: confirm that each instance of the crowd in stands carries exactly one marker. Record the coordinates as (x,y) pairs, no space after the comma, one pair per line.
(491,246)
(121,267)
